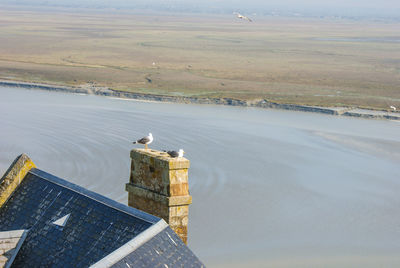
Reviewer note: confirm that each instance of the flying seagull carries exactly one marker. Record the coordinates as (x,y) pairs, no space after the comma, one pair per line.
(175,153)
(145,140)
(392,107)
(240,16)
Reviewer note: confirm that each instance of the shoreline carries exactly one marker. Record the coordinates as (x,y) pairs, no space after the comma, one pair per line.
(104,91)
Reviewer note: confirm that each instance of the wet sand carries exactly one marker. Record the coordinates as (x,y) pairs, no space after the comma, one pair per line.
(270,188)
(260,103)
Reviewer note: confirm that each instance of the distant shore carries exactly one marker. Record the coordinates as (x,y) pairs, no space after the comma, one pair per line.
(104,91)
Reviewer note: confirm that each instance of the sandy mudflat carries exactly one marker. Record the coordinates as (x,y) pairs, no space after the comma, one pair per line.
(314,62)
(145,97)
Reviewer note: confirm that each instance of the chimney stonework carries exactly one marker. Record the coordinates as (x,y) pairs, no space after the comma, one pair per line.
(158,185)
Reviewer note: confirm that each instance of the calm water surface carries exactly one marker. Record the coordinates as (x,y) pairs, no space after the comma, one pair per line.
(270,188)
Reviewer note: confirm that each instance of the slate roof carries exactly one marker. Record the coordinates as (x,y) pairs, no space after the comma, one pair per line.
(95,228)
(164,250)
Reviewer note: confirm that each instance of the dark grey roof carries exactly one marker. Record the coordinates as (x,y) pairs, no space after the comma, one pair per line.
(164,250)
(96,226)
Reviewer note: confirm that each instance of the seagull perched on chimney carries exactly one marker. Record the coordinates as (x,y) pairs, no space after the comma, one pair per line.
(145,140)
(240,16)
(176,153)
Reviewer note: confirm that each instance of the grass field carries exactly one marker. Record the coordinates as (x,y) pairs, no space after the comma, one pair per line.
(287,60)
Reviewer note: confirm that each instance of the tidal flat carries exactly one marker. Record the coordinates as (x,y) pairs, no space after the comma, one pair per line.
(318,62)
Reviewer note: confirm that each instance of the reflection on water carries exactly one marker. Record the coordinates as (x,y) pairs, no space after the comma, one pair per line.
(270,188)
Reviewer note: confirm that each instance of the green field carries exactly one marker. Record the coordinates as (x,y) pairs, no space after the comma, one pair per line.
(287,60)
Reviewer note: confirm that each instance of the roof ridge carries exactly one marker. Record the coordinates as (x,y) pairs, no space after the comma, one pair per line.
(131,245)
(13,176)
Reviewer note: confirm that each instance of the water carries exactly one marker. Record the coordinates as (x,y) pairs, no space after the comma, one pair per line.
(390,39)
(270,188)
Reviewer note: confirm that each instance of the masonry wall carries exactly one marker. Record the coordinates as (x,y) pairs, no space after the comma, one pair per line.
(13,176)
(158,185)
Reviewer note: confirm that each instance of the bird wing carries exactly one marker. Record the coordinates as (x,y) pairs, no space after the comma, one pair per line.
(173,153)
(143,140)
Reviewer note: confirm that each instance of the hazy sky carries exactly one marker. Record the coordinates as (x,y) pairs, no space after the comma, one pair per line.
(339,7)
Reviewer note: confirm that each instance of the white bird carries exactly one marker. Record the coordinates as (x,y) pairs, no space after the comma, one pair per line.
(240,16)
(145,140)
(176,154)
(392,107)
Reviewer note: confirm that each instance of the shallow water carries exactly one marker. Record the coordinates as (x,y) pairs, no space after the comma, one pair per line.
(270,188)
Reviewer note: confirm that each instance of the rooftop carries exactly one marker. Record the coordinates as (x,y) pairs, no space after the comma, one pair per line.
(71,226)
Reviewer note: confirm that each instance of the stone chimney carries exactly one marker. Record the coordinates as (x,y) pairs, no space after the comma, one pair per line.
(158,185)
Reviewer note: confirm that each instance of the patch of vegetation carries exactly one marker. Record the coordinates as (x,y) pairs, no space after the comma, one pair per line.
(312,62)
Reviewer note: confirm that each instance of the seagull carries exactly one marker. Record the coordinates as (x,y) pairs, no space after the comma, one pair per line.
(176,154)
(392,107)
(145,140)
(240,16)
